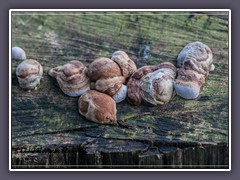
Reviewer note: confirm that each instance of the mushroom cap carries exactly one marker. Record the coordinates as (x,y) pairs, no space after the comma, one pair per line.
(188,83)
(133,95)
(71,78)
(108,86)
(103,68)
(197,54)
(106,76)
(18,53)
(98,107)
(157,87)
(29,73)
(201,67)
(128,66)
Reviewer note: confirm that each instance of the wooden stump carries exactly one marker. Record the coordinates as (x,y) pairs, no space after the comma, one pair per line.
(48,131)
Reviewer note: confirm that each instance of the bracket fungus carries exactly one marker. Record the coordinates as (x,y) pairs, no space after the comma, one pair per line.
(98,107)
(29,73)
(109,75)
(195,61)
(71,78)
(18,53)
(152,84)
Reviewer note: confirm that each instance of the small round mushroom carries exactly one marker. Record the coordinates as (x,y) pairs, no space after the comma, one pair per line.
(108,76)
(196,56)
(128,67)
(195,61)
(189,83)
(18,53)
(71,78)
(98,107)
(108,86)
(103,68)
(29,73)
(157,87)
(142,85)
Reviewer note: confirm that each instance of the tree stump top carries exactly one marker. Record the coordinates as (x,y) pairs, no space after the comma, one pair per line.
(47,119)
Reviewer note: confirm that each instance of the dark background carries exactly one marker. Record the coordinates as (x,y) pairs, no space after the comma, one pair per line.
(123,4)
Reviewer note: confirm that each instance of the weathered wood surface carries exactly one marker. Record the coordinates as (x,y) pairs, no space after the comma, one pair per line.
(48,131)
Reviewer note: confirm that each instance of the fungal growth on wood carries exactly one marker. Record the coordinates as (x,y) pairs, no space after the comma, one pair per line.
(195,61)
(98,107)
(29,73)
(51,130)
(71,78)
(18,53)
(121,94)
(109,75)
(127,66)
(152,84)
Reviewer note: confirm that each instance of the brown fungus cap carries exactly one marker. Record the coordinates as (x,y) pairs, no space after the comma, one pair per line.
(127,66)
(98,107)
(29,73)
(103,68)
(196,56)
(106,77)
(195,61)
(71,78)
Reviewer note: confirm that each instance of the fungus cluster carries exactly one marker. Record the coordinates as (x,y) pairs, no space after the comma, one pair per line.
(109,75)
(109,81)
(195,61)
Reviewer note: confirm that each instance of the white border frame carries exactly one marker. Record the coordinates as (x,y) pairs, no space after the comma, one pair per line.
(117,10)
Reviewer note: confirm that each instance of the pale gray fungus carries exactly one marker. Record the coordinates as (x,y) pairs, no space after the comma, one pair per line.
(186,91)
(121,94)
(18,53)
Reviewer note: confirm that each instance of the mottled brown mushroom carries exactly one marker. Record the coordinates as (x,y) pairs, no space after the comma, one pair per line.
(196,56)
(140,82)
(195,61)
(189,83)
(106,77)
(103,68)
(71,78)
(157,87)
(127,66)
(29,73)
(98,107)
(108,86)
